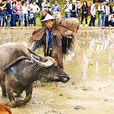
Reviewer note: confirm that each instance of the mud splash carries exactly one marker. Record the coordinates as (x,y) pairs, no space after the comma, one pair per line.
(91,88)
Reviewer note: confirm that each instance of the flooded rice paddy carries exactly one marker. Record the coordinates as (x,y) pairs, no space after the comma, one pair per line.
(91,68)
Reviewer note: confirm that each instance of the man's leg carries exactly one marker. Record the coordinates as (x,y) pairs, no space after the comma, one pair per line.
(34,19)
(86,19)
(69,15)
(82,19)
(0,20)
(3,21)
(79,15)
(91,20)
(99,21)
(8,20)
(17,20)
(20,17)
(103,19)
(65,14)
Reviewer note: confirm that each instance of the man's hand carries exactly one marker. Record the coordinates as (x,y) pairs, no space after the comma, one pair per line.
(69,33)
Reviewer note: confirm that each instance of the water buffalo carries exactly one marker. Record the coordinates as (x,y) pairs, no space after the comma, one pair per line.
(24,70)
(8,53)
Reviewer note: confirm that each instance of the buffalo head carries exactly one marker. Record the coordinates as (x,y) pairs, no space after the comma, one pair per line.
(50,70)
(37,68)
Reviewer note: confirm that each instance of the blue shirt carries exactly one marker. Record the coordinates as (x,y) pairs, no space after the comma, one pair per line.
(55,8)
(50,38)
(8,6)
(13,10)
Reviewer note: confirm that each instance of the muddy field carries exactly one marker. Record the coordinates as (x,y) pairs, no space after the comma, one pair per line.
(91,68)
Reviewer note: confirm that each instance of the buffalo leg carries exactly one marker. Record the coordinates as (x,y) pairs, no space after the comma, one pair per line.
(26,99)
(10,96)
(3,89)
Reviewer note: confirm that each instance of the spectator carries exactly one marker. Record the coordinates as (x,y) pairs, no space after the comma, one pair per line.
(1,11)
(78,4)
(55,7)
(39,3)
(67,8)
(111,20)
(4,13)
(9,11)
(73,9)
(13,14)
(31,17)
(15,1)
(93,14)
(101,11)
(108,12)
(84,12)
(25,14)
(18,8)
(44,4)
(45,12)
(36,9)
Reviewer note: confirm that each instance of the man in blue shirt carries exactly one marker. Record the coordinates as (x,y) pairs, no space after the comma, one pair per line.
(9,12)
(55,7)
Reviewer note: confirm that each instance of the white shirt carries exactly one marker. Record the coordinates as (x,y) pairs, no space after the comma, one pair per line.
(24,10)
(93,10)
(67,7)
(78,5)
(43,5)
(35,8)
(107,10)
(101,8)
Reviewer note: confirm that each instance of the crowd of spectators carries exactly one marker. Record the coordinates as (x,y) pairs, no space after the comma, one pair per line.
(17,13)
(83,10)
(14,13)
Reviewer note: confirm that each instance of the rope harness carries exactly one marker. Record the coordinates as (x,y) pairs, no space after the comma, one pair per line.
(9,69)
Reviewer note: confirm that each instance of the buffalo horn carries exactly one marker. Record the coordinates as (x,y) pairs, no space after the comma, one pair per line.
(48,63)
(34,53)
(16,61)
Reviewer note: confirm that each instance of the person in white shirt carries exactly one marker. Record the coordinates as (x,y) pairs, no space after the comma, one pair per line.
(25,14)
(101,10)
(78,4)
(67,8)
(108,12)
(44,4)
(73,9)
(93,14)
(36,9)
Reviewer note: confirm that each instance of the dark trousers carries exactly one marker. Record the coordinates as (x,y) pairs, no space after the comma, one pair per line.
(106,21)
(1,16)
(73,14)
(92,21)
(13,19)
(84,16)
(4,21)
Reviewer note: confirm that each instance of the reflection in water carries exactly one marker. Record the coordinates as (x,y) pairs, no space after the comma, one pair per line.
(94,54)
(85,64)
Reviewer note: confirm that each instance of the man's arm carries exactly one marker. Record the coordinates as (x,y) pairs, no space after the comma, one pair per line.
(35,45)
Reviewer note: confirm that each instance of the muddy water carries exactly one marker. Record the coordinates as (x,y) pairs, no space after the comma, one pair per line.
(91,68)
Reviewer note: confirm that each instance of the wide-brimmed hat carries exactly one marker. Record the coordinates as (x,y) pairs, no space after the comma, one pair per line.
(47,5)
(48,17)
